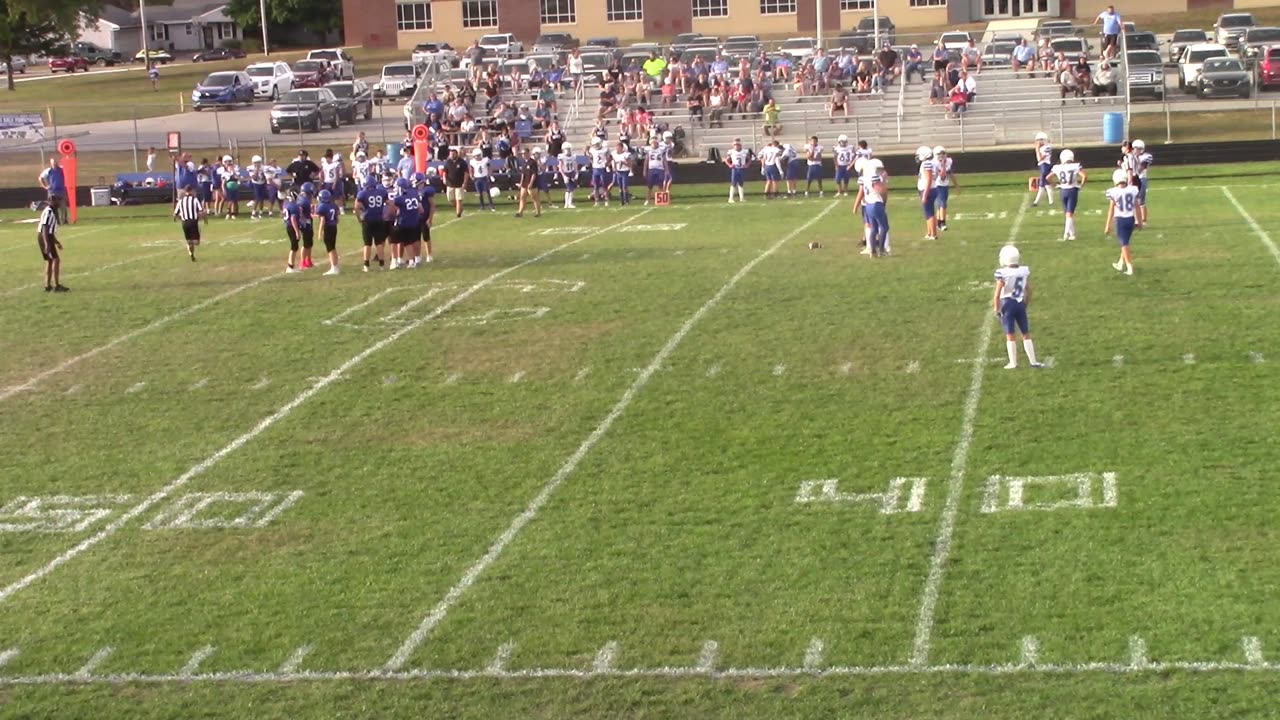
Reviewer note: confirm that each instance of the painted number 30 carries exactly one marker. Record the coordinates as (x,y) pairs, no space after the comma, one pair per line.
(73,514)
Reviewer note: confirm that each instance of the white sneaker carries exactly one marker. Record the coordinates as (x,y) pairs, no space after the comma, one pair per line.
(366,268)
(1037,364)
(430,259)
(291,271)
(1011,366)
(865,251)
(732,201)
(1118,265)
(1128,271)
(806,193)
(332,271)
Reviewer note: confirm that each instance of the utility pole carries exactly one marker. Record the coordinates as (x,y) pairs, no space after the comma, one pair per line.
(262,8)
(146,39)
(818,3)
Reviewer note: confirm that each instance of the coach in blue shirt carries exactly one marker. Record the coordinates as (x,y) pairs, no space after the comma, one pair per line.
(1110,20)
(54,182)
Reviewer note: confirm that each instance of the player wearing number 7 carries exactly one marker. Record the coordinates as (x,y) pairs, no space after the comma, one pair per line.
(1010,301)
(1124,202)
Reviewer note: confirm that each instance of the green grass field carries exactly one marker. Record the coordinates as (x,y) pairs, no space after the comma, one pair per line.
(572,469)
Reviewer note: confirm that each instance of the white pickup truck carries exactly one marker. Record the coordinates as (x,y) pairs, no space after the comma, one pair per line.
(344,67)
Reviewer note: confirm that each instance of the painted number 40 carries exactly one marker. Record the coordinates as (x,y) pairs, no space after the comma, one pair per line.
(73,514)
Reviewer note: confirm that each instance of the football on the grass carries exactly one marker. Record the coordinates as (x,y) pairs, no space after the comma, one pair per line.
(815,245)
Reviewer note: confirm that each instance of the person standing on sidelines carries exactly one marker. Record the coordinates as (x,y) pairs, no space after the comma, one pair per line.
(1111,28)
(1141,162)
(258,183)
(49,246)
(327,211)
(943,180)
(371,212)
(54,181)
(1010,301)
(528,184)
(567,164)
(813,166)
(736,160)
(456,172)
(190,211)
(769,155)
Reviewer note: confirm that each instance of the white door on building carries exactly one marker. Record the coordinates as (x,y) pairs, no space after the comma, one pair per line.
(997,9)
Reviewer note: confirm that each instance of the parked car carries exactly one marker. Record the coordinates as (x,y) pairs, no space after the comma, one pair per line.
(1223,76)
(706,52)
(1231,26)
(1192,59)
(341,65)
(310,74)
(308,109)
(355,99)
(95,55)
(19,65)
(683,41)
(215,54)
(1053,29)
(68,64)
(1183,38)
(799,49)
(1269,67)
(270,79)
(740,46)
(862,38)
(1144,73)
(160,57)
(604,42)
(397,80)
(554,42)
(223,89)
(998,54)
(441,52)
(1141,41)
(1071,47)
(955,40)
(1256,38)
(502,44)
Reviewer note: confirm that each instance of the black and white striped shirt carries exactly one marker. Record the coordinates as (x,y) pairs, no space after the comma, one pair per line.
(48,221)
(189,208)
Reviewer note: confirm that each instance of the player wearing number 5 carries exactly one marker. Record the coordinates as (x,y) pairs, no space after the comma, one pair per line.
(1010,301)
(1124,202)
(1070,177)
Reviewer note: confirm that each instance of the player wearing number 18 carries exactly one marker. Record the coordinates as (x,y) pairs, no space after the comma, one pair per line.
(1124,204)
(1010,301)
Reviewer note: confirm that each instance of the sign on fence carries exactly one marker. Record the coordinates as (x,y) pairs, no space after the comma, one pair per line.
(21,127)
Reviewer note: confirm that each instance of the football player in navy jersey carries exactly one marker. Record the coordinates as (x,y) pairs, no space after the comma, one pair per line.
(371,211)
(327,212)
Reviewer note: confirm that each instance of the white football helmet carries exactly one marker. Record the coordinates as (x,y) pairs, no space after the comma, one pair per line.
(1120,177)
(1009,255)
(924,152)
(226,158)
(1042,137)
(1067,156)
(939,150)
(256,159)
(568,146)
(595,141)
(1138,145)
(860,165)
(843,139)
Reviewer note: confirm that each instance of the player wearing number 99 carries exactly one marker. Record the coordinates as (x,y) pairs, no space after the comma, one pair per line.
(1010,301)
(1070,177)
(1124,204)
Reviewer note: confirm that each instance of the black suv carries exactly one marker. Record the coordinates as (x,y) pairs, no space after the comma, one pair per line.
(862,38)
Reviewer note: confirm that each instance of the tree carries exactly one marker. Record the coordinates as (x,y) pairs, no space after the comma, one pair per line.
(38,26)
(317,16)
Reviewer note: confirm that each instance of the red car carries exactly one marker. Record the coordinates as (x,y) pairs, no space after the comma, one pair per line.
(310,74)
(70,64)
(1268,66)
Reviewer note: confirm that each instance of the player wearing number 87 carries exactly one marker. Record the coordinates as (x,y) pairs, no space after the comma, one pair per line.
(1010,301)
(1124,203)
(1070,176)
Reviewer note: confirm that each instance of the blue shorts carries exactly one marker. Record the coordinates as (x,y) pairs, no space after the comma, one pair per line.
(570,182)
(544,182)
(927,202)
(813,172)
(1046,169)
(1124,230)
(259,192)
(771,173)
(670,174)
(940,195)
(791,170)
(737,177)
(1142,191)
(1013,314)
(273,192)
(482,185)
(620,179)
(598,177)
(206,191)
(1070,196)
(335,188)
(655,178)
(843,174)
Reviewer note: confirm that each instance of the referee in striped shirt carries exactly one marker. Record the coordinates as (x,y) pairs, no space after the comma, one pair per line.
(49,245)
(190,211)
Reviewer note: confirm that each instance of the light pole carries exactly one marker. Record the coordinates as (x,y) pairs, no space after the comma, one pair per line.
(818,4)
(262,8)
(146,47)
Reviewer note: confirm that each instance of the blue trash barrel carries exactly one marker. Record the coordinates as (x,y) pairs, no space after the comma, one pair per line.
(393,153)
(1113,128)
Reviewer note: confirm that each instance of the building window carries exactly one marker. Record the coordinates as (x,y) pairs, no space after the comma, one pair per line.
(857,4)
(926,3)
(777,7)
(624,10)
(479,13)
(710,8)
(557,12)
(188,28)
(413,16)
(159,32)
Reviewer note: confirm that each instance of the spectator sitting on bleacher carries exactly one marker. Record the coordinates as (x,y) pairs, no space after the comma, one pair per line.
(801,80)
(1044,57)
(847,63)
(971,56)
(1024,56)
(720,67)
(432,105)
(608,101)
(1069,84)
(839,102)
(505,114)
(914,64)
(969,84)
(772,126)
(695,102)
(888,65)
(654,66)
(541,116)
(547,96)
(782,68)
(492,88)
(633,68)
(467,130)
(958,102)
(937,89)
(1084,73)
(668,91)
(862,79)
(953,74)
(717,105)
(536,79)
(554,78)
(820,64)
(1104,81)
(644,89)
(515,80)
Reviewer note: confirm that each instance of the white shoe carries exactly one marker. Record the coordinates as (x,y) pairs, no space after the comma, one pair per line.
(930,237)
(806,193)
(1128,271)
(291,271)
(332,271)
(1119,266)
(366,268)
(865,251)
(732,201)
(1011,366)
(430,259)
(1037,364)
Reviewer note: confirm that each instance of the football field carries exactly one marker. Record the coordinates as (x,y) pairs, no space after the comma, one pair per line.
(649,463)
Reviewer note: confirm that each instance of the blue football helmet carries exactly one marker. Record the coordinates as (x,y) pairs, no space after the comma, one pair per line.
(326,196)
(370,182)
(419,179)
(308,188)
(404,184)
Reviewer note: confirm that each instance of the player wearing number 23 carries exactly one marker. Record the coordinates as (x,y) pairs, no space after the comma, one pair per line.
(1012,295)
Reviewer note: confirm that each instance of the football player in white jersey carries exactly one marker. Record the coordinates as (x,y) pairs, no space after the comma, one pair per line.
(598,155)
(872,197)
(769,155)
(943,180)
(866,168)
(736,160)
(1121,216)
(258,184)
(272,172)
(928,191)
(656,159)
(813,166)
(229,173)
(1010,301)
(787,166)
(1142,161)
(360,168)
(1044,168)
(846,158)
(620,161)
(568,173)
(331,174)
(1070,177)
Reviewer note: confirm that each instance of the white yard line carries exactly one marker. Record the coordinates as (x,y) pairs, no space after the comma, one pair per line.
(285,410)
(955,482)
(86,670)
(455,593)
(813,655)
(294,662)
(197,658)
(1252,647)
(1257,229)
